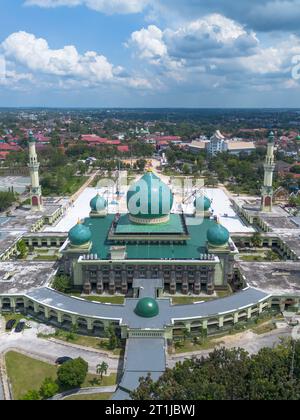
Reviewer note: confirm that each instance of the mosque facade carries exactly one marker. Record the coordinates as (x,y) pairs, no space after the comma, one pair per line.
(106,253)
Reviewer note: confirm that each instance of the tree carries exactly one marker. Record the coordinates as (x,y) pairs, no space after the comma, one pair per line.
(7,198)
(113,339)
(48,389)
(62,284)
(256,240)
(22,249)
(272,374)
(31,395)
(141,164)
(72,374)
(102,369)
(186,169)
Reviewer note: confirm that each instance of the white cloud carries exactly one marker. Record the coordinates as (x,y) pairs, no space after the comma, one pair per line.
(104,6)
(218,50)
(64,67)
(36,55)
(150,43)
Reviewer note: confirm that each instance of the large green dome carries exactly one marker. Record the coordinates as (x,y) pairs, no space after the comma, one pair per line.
(202,203)
(218,235)
(147,308)
(98,203)
(149,199)
(80,235)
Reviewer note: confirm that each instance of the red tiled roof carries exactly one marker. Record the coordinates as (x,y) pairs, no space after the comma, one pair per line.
(124,149)
(3,155)
(168,138)
(9,147)
(93,139)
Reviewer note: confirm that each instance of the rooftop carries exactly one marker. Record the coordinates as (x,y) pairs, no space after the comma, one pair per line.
(274,278)
(17,277)
(192,249)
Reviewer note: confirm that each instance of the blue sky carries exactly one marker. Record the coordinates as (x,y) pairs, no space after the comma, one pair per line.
(150,53)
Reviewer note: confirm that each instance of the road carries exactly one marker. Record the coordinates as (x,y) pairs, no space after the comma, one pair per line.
(28,343)
(248,340)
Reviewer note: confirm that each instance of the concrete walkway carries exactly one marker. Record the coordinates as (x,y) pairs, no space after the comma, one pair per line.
(85,391)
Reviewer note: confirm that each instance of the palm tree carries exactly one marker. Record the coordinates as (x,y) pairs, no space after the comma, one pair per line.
(102,369)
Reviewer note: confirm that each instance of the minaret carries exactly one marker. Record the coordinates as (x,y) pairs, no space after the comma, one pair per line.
(35,189)
(269,166)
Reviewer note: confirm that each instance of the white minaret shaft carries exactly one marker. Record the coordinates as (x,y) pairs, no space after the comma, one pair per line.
(269,167)
(34,166)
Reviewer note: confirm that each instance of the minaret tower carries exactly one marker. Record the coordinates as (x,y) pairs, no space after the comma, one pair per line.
(269,166)
(34,166)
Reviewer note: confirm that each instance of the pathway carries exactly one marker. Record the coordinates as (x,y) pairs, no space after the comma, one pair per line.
(85,391)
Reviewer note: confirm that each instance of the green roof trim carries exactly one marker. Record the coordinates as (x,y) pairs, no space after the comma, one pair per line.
(174,225)
(191,249)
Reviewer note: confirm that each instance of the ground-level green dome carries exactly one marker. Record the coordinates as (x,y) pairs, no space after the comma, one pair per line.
(202,203)
(147,308)
(149,198)
(80,234)
(98,203)
(218,235)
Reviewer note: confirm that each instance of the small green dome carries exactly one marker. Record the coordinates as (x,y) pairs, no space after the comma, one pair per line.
(149,198)
(202,203)
(147,308)
(218,235)
(31,138)
(271,137)
(80,235)
(98,203)
(298,138)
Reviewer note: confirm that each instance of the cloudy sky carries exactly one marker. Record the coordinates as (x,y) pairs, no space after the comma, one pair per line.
(150,53)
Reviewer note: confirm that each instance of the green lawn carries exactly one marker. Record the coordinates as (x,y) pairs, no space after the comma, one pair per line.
(115,300)
(90,397)
(83,340)
(186,300)
(26,373)
(46,258)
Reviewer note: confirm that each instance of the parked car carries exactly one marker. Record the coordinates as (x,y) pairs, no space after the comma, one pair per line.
(10,324)
(63,360)
(20,327)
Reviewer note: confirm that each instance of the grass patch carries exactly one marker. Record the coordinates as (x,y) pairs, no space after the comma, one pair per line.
(83,340)
(189,347)
(95,380)
(26,373)
(90,397)
(187,300)
(46,258)
(115,300)
(264,328)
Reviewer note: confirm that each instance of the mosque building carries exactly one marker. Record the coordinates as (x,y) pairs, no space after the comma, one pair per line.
(189,253)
